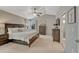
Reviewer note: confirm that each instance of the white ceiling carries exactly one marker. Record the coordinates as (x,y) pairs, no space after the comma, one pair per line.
(26,11)
(52,10)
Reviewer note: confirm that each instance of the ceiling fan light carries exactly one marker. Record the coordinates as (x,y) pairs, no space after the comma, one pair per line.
(34,14)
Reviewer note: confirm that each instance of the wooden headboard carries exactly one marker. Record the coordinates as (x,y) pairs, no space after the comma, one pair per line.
(9,25)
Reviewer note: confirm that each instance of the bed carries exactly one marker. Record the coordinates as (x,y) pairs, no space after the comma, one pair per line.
(26,37)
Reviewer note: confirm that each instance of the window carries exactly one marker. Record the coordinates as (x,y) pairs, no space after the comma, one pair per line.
(31,23)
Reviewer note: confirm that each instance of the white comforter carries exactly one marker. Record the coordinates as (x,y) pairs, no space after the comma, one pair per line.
(24,36)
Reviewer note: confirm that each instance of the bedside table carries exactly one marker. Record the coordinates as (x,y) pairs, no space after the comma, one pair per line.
(3,39)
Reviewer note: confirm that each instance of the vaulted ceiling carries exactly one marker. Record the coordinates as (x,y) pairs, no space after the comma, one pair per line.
(26,11)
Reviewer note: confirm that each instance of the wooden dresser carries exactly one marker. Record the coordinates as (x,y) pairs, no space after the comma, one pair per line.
(56,35)
(42,29)
(3,39)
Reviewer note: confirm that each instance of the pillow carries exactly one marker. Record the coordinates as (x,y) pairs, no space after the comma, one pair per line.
(9,30)
(21,29)
(12,30)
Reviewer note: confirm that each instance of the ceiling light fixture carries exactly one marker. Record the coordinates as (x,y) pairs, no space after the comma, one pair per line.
(37,12)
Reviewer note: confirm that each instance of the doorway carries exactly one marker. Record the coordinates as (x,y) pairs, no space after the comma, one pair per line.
(62,29)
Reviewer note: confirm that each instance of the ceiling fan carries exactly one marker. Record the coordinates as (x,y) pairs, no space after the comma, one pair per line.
(37,11)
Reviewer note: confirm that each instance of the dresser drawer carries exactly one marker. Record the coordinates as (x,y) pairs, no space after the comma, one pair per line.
(3,42)
(3,39)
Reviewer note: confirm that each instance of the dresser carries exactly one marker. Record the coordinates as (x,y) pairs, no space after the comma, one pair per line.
(3,39)
(56,35)
(42,29)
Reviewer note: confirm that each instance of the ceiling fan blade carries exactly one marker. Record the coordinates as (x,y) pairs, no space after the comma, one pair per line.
(35,9)
(40,13)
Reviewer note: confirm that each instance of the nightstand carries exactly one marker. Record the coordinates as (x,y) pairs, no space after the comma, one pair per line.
(3,39)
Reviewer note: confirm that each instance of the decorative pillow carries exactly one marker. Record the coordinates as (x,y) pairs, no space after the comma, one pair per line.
(9,30)
(21,29)
(13,30)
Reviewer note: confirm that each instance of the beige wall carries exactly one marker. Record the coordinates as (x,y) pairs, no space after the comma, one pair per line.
(50,21)
(6,17)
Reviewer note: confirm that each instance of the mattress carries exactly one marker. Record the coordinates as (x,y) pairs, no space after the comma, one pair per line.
(23,36)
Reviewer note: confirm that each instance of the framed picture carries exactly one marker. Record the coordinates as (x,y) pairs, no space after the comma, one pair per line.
(72,15)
